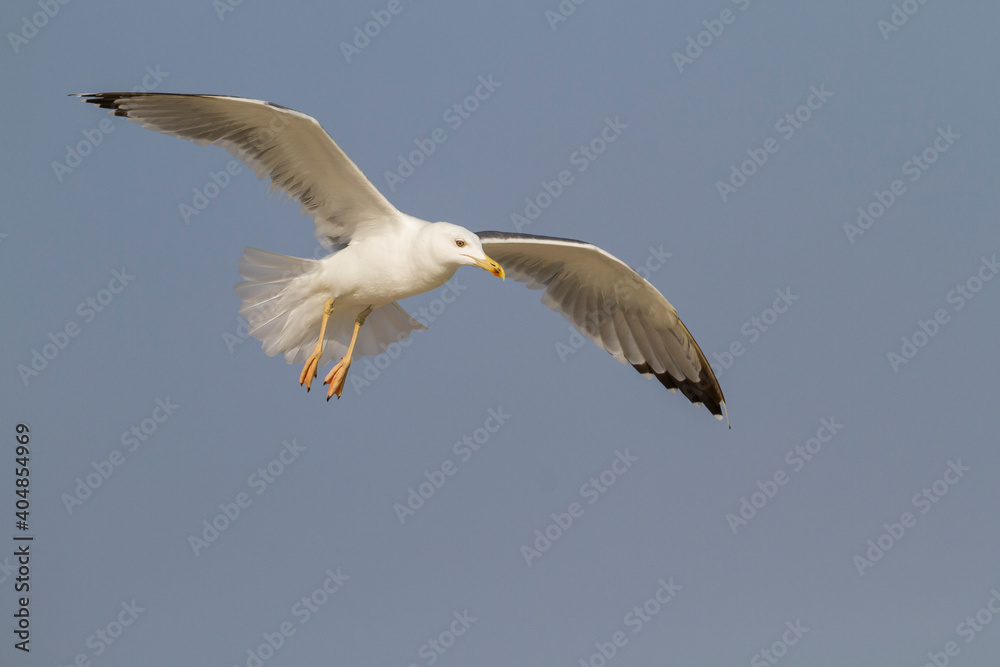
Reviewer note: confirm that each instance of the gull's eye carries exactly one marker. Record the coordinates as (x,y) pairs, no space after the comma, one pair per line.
(460,243)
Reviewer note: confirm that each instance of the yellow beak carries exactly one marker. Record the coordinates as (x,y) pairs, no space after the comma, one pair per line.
(491,266)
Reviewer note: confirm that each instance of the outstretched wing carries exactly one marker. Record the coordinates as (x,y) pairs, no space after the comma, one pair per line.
(287,147)
(612,305)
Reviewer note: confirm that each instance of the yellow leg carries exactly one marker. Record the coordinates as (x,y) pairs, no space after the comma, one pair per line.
(338,374)
(312,363)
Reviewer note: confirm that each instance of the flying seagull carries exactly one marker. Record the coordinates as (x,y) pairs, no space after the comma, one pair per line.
(315,311)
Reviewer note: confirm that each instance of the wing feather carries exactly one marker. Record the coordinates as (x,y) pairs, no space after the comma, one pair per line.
(612,305)
(608,336)
(287,147)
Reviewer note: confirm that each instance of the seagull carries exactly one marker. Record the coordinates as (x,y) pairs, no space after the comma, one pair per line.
(314,311)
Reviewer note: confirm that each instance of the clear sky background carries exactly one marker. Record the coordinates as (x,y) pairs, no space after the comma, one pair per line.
(868,484)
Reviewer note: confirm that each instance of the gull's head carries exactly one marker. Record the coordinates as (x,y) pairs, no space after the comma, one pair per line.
(458,246)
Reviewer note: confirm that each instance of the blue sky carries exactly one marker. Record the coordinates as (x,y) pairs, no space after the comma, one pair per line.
(812,185)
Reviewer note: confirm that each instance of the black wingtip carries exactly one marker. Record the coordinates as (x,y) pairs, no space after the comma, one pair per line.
(705,390)
(110,101)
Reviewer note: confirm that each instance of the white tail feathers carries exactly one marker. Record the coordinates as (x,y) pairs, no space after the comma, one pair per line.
(285,313)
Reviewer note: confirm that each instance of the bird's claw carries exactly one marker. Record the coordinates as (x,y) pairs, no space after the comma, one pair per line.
(309,371)
(336,378)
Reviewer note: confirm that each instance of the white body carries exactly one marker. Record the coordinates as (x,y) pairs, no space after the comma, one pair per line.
(283,297)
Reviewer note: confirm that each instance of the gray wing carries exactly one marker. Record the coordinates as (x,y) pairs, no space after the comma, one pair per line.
(287,147)
(612,305)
